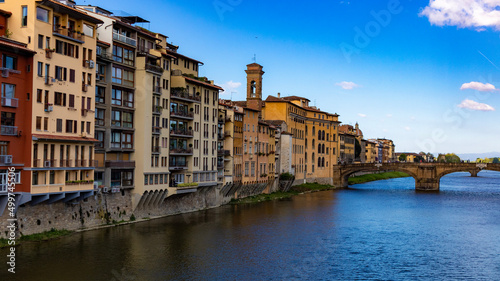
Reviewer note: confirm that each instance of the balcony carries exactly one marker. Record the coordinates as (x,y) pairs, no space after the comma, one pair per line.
(124,39)
(227,134)
(220,164)
(181,133)
(223,152)
(80,163)
(122,183)
(69,34)
(157,90)
(154,68)
(155,149)
(10,102)
(156,130)
(100,78)
(5,159)
(8,130)
(182,114)
(99,122)
(157,109)
(177,165)
(184,95)
(85,87)
(181,151)
(119,164)
(65,163)
(142,51)
(105,56)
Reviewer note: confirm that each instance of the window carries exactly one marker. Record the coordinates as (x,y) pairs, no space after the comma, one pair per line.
(72,75)
(38,123)
(59,125)
(116,118)
(72,101)
(69,126)
(116,97)
(60,99)
(99,117)
(24,14)
(9,62)
(8,91)
(88,30)
(42,14)
(123,55)
(61,73)
(40,69)
(40,41)
(100,94)
(127,118)
(46,123)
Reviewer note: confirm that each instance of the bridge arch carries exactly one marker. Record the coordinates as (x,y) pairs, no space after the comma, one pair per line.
(345,174)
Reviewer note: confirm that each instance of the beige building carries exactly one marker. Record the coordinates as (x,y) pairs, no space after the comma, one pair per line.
(64,39)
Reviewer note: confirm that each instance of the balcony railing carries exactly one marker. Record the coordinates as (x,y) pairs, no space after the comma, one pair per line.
(155,149)
(5,159)
(156,130)
(105,56)
(181,151)
(122,182)
(69,33)
(8,130)
(223,152)
(124,39)
(178,165)
(49,80)
(157,89)
(175,93)
(99,122)
(154,68)
(10,102)
(65,163)
(181,132)
(182,114)
(157,109)
(227,134)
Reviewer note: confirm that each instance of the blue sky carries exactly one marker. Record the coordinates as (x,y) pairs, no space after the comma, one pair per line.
(424,74)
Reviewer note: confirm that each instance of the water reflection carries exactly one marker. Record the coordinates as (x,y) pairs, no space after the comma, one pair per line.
(380,230)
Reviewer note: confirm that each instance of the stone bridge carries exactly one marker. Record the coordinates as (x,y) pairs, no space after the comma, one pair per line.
(427,175)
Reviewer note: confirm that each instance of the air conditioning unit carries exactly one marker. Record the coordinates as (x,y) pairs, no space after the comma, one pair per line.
(53,80)
(8,160)
(5,72)
(50,108)
(91,64)
(105,189)
(46,164)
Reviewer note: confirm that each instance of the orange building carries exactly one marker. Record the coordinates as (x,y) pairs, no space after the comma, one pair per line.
(15,136)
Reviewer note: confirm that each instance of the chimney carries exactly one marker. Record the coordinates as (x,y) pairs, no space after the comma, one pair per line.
(279,95)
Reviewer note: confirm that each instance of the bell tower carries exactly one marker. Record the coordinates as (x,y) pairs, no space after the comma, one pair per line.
(254,85)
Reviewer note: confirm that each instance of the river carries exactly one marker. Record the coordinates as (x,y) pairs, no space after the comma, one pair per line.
(381,230)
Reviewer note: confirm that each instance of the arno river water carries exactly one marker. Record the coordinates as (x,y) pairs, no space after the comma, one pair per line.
(378,231)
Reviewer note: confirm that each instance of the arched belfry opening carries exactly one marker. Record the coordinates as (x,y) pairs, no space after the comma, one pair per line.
(254,85)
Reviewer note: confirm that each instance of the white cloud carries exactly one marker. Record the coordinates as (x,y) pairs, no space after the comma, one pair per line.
(478,86)
(347,85)
(230,87)
(413,118)
(389,115)
(472,105)
(407,128)
(477,14)
(361,115)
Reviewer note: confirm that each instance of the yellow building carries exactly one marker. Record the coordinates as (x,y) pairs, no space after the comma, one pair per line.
(63,95)
(371,149)
(314,136)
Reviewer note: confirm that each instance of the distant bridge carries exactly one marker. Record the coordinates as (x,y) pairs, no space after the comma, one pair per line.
(427,175)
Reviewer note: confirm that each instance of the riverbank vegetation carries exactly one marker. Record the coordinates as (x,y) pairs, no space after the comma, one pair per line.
(376,177)
(47,235)
(295,190)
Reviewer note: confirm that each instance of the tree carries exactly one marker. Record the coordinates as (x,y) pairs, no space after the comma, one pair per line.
(402,157)
(496,160)
(452,158)
(357,149)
